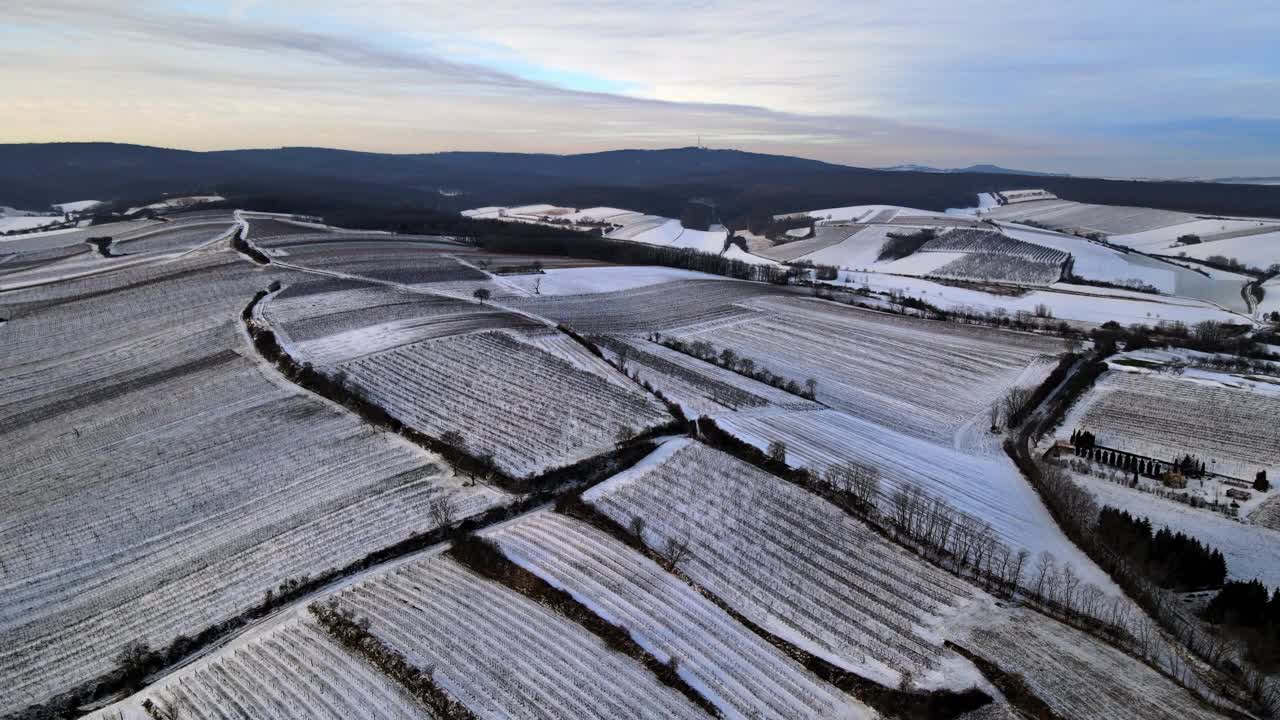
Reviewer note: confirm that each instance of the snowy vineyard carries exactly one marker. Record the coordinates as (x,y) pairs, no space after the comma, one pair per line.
(531,410)
(790,562)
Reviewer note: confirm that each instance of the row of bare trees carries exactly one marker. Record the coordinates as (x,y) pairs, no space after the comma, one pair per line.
(966,544)
(1077,512)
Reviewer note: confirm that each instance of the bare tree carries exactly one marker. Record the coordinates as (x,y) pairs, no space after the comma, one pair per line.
(1014,577)
(1070,583)
(1014,400)
(537,286)
(482,294)
(778,451)
(811,387)
(441,510)
(637,527)
(860,483)
(1042,573)
(454,439)
(675,552)
(1091,597)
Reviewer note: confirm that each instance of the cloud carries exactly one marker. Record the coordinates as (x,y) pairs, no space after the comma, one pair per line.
(1054,87)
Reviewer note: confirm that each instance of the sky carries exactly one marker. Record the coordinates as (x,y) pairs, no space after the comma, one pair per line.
(1128,88)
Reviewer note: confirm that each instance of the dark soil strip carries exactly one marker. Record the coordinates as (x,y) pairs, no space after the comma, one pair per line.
(247,249)
(92,393)
(902,704)
(27,308)
(1012,685)
(485,558)
(355,636)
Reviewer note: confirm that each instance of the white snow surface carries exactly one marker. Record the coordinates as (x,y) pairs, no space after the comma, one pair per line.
(77,206)
(739,672)
(1087,305)
(27,222)
(1252,551)
(584,281)
(502,654)
(834,588)
(1260,251)
(1159,240)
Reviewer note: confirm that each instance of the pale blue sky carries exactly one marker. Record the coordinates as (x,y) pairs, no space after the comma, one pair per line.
(1161,89)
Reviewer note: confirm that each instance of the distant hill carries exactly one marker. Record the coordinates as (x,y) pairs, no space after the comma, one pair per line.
(1273,180)
(988,169)
(656,181)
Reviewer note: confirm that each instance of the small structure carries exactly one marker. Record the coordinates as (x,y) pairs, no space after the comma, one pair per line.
(1060,448)
(1173,479)
(1236,494)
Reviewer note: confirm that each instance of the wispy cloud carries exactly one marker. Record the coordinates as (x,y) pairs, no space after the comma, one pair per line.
(1052,86)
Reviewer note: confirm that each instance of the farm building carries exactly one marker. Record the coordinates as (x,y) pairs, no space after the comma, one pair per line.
(1237,494)
(1060,448)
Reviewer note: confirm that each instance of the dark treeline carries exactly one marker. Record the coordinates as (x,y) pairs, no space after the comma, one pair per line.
(1172,560)
(1209,336)
(1076,511)
(486,558)
(1248,611)
(730,360)
(657,181)
(592,247)
(353,633)
(900,245)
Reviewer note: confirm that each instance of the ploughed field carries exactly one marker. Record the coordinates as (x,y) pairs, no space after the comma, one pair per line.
(1076,676)
(59,255)
(792,563)
(1233,430)
(162,476)
(923,378)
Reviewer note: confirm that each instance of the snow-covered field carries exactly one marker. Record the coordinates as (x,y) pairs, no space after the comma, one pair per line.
(1107,219)
(438,365)
(1083,304)
(332,321)
(502,654)
(1209,231)
(10,223)
(76,206)
(531,410)
(986,487)
(792,563)
(1075,675)
(860,250)
(293,671)
(741,673)
(663,307)
(1251,551)
(177,203)
(1260,251)
(159,477)
(584,281)
(1232,428)
(700,388)
(925,379)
